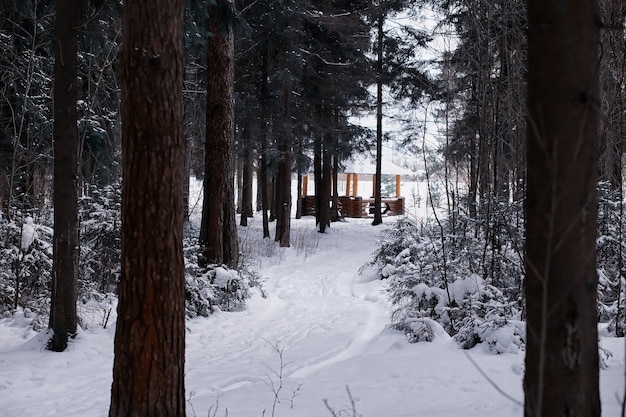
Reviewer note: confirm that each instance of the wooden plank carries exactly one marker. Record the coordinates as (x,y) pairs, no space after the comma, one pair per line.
(397,185)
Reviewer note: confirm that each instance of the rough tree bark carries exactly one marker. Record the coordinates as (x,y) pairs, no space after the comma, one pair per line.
(218,230)
(148,370)
(63,316)
(562,136)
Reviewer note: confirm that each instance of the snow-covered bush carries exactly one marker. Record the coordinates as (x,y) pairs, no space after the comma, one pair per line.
(25,265)
(448,282)
(100,241)
(211,288)
(206,289)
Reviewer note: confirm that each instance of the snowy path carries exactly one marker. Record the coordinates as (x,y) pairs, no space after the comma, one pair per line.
(318,312)
(326,321)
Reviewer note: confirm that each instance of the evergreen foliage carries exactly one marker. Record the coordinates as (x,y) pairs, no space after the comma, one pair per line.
(25,267)
(100,240)
(212,287)
(611,259)
(435,283)
(26,263)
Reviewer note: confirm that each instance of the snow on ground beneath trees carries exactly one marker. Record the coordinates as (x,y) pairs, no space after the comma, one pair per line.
(322,330)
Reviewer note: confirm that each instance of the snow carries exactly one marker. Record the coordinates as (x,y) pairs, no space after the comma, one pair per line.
(320,334)
(29,234)
(223,277)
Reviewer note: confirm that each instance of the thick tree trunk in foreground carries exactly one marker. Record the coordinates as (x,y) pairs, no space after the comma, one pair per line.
(562,353)
(148,371)
(218,232)
(63,316)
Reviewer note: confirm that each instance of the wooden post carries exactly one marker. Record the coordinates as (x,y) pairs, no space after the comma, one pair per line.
(305,184)
(374,185)
(348,177)
(355,186)
(397,185)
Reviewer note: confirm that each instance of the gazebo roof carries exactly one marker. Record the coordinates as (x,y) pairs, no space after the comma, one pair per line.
(367,166)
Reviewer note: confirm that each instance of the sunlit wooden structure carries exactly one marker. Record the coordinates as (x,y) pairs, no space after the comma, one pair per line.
(353,205)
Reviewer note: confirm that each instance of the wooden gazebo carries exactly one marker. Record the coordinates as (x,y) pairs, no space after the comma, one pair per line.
(353,205)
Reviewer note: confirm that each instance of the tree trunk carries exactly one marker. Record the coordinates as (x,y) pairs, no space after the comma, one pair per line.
(186,180)
(239,180)
(272,195)
(317,176)
(246,178)
(218,233)
(325,185)
(6,117)
(63,316)
(283,184)
(149,365)
(264,137)
(259,187)
(562,351)
(336,214)
(299,195)
(378,217)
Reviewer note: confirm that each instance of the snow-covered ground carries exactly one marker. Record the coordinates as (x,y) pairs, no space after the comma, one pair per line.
(320,335)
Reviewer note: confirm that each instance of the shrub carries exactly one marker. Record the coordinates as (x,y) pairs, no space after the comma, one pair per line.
(212,288)
(25,265)
(435,282)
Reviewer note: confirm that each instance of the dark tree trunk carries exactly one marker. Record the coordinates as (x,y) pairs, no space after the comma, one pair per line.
(149,365)
(299,196)
(335,215)
(264,137)
(317,177)
(218,233)
(562,340)
(283,184)
(231,244)
(7,21)
(472,192)
(325,185)
(63,316)
(272,196)
(246,179)
(239,180)
(259,187)
(186,180)
(378,217)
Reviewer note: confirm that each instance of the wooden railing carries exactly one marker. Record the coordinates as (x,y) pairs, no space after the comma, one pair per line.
(357,206)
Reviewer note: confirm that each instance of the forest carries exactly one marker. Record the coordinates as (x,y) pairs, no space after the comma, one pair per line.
(510,112)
